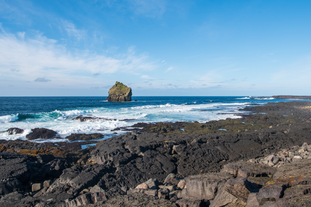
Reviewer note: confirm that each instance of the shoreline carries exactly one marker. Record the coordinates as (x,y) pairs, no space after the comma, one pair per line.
(117,164)
(253,117)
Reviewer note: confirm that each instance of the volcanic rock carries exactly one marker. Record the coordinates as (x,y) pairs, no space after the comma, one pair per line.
(12,131)
(42,133)
(119,92)
(74,137)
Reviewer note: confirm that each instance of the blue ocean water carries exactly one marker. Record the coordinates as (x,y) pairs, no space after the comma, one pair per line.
(57,113)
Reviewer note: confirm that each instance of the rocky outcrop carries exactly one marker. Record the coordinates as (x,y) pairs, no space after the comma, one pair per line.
(75,137)
(119,92)
(42,133)
(239,184)
(15,130)
(20,170)
(126,178)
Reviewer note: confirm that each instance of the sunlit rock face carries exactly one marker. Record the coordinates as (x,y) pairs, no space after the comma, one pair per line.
(119,92)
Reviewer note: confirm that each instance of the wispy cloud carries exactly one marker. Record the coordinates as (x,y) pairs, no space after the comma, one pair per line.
(170,68)
(73,31)
(210,79)
(42,57)
(146,77)
(44,80)
(150,8)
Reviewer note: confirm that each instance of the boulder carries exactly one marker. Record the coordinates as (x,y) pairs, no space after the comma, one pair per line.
(36,187)
(74,137)
(119,92)
(13,131)
(42,133)
(235,192)
(271,193)
(205,186)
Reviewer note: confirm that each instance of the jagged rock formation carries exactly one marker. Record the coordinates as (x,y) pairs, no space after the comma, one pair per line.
(119,92)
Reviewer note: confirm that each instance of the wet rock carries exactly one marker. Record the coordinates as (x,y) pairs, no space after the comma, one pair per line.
(74,137)
(13,131)
(42,133)
(119,92)
(90,118)
(84,118)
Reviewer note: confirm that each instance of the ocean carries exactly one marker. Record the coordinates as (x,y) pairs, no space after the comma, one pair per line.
(57,113)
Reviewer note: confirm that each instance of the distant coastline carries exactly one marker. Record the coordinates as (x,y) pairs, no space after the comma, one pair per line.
(280,97)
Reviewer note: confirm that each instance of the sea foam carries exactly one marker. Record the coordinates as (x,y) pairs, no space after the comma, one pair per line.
(8,118)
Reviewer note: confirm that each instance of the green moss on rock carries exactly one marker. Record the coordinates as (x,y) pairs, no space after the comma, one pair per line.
(119,92)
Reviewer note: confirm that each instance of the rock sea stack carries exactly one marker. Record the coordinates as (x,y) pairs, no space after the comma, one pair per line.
(119,92)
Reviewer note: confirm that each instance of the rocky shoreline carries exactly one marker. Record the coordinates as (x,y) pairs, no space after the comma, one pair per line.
(165,160)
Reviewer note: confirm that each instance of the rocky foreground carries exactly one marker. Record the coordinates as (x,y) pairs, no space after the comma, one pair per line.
(262,159)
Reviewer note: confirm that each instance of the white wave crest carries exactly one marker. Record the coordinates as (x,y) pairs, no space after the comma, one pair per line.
(8,118)
(75,112)
(247,97)
(153,106)
(267,98)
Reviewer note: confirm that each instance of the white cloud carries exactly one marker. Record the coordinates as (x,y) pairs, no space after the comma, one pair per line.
(73,31)
(146,77)
(170,68)
(21,34)
(43,57)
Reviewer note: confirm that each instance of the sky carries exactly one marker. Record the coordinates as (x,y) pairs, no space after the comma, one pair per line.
(157,47)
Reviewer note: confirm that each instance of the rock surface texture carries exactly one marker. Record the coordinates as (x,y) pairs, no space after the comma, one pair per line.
(119,92)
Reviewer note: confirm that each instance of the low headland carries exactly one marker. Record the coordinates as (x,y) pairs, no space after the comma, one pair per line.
(261,159)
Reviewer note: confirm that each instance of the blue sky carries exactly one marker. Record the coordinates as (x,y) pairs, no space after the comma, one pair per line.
(157,47)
